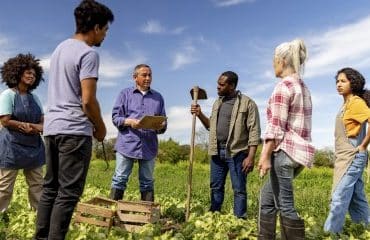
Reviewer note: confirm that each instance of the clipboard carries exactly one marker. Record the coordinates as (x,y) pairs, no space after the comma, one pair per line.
(148,121)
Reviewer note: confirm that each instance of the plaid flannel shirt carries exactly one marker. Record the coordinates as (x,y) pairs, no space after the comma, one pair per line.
(289,115)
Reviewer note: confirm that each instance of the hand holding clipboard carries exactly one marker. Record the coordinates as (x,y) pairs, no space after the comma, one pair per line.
(152,122)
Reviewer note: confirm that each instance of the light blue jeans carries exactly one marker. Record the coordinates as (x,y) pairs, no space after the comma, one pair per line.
(277,194)
(123,171)
(349,195)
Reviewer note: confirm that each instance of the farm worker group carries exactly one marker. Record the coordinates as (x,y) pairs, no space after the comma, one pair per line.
(73,118)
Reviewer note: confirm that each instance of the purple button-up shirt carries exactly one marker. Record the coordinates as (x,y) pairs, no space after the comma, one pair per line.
(131,103)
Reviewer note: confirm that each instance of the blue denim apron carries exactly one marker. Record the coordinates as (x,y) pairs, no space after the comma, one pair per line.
(19,150)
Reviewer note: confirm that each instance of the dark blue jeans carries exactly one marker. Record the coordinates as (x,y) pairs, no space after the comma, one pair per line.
(220,166)
(67,162)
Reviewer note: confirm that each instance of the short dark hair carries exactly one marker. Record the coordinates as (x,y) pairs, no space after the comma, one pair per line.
(357,82)
(89,13)
(13,69)
(231,77)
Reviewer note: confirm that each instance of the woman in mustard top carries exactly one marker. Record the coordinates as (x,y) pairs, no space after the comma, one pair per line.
(351,140)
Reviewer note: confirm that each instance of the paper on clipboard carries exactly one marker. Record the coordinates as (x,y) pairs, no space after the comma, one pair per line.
(149,122)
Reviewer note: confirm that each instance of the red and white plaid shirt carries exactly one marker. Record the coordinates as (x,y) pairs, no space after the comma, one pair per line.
(289,115)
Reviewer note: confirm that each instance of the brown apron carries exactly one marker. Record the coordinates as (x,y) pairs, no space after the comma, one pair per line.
(344,151)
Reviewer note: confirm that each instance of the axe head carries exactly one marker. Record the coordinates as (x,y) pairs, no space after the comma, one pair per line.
(202,94)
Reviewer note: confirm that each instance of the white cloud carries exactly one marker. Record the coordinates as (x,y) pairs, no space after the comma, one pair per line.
(111,67)
(256,88)
(227,3)
(45,63)
(347,45)
(268,74)
(180,121)
(114,67)
(178,30)
(330,50)
(111,129)
(180,118)
(155,27)
(191,51)
(3,41)
(324,100)
(179,124)
(323,137)
(5,47)
(184,57)
(152,26)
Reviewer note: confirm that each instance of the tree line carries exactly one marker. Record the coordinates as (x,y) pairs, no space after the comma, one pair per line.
(171,151)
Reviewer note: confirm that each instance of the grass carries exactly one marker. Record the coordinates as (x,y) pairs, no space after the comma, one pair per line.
(312,189)
(312,194)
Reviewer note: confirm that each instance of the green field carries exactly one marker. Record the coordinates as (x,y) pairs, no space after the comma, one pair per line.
(312,192)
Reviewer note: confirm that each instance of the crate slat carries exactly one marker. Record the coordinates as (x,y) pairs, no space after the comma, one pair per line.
(101,200)
(94,210)
(134,218)
(129,206)
(130,215)
(82,219)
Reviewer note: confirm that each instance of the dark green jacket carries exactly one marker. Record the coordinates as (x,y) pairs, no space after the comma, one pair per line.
(244,127)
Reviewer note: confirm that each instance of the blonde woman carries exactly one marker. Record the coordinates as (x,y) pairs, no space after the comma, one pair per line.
(287,147)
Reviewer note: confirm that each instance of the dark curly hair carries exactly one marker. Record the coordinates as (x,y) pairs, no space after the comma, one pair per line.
(13,69)
(89,13)
(357,83)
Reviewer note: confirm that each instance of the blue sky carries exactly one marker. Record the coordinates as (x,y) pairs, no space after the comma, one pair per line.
(190,42)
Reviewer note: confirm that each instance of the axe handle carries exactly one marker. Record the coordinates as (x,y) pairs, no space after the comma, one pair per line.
(191,158)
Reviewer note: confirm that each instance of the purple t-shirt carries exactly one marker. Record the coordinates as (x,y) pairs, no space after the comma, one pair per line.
(72,61)
(131,103)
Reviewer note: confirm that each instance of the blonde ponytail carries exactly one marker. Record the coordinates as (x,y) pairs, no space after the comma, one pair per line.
(294,54)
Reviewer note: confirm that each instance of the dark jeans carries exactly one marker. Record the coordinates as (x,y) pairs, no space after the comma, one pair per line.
(220,166)
(277,193)
(67,161)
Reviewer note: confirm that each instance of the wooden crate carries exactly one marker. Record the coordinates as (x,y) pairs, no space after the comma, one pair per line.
(97,211)
(132,216)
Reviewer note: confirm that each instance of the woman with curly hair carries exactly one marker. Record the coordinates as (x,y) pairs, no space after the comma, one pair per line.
(21,117)
(351,140)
